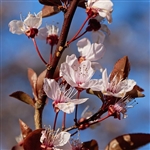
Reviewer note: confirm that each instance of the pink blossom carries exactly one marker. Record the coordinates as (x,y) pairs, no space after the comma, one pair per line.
(120,107)
(92,52)
(114,88)
(49,33)
(30,24)
(78,74)
(61,96)
(102,7)
(55,140)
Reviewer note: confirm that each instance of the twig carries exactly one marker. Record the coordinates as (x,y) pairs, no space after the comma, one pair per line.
(63,37)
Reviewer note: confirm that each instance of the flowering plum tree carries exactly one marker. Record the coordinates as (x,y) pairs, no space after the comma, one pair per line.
(62,83)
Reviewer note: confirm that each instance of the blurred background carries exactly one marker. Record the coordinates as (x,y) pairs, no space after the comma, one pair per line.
(130,35)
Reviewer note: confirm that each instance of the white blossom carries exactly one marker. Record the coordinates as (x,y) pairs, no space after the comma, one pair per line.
(102,7)
(79,74)
(55,140)
(114,88)
(47,31)
(92,52)
(121,107)
(21,27)
(61,96)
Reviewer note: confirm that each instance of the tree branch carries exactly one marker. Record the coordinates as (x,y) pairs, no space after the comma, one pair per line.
(63,37)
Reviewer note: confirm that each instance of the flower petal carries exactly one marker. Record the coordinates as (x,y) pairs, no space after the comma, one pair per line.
(42,33)
(98,36)
(96,52)
(105,79)
(15,27)
(93,84)
(72,61)
(102,4)
(68,74)
(33,21)
(51,88)
(85,71)
(84,46)
(79,101)
(66,107)
(61,139)
(128,84)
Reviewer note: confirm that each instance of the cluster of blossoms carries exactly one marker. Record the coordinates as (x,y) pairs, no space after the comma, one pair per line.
(75,74)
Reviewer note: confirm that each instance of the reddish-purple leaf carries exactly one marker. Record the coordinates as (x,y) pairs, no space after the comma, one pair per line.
(121,69)
(135,92)
(32,141)
(58,3)
(81,3)
(32,76)
(17,147)
(25,130)
(40,82)
(23,97)
(51,2)
(129,141)
(90,145)
(49,11)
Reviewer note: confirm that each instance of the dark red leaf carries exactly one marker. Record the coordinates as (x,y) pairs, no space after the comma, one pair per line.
(135,92)
(81,3)
(32,142)
(49,11)
(90,145)
(50,2)
(129,141)
(40,82)
(23,97)
(32,76)
(58,3)
(25,130)
(17,147)
(121,69)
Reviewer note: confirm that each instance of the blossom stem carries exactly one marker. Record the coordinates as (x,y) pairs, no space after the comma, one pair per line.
(70,128)
(99,120)
(64,122)
(56,115)
(36,47)
(79,36)
(51,51)
(88,17)
(76,109)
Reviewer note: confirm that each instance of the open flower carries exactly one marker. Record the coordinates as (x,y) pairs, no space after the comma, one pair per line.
(115,88)
(78,74)
(61,96)
(49,33)
(29,26)
(101,7)
(120,108)
(91,52)
(99,30)
(55,140)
